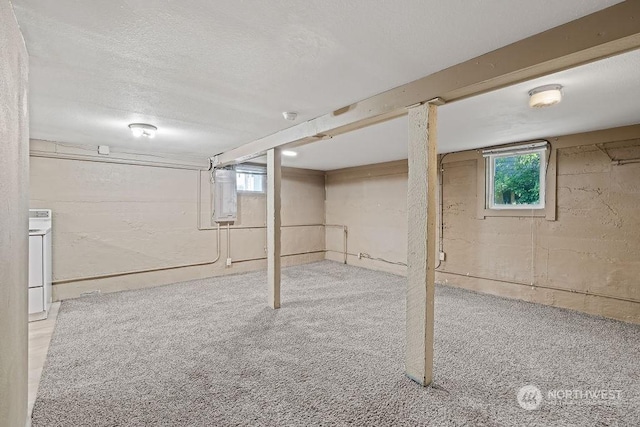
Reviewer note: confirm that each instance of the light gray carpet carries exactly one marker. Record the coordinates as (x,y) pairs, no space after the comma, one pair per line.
(210,353)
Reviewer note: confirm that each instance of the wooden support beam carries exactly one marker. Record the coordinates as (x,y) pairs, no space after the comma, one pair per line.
(274,178)
(602,34)
(421,254)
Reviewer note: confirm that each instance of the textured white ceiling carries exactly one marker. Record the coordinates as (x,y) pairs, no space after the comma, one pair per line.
(213,75)
(599,95)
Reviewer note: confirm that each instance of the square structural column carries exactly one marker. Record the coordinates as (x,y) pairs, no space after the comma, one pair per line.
(421,215)
(274,178)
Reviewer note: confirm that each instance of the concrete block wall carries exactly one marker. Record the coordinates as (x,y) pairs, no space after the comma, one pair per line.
(111,218)
(587,259)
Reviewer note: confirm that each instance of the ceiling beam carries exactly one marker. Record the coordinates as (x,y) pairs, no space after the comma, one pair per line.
(602,34)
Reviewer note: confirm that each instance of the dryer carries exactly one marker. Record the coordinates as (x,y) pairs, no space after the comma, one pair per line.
(40,274)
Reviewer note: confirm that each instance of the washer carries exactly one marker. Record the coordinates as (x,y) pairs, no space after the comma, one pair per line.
(40,275)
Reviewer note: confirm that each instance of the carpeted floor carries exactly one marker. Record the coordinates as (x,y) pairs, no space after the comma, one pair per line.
(210,353)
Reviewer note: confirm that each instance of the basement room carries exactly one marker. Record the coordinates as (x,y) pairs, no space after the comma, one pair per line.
(291,213)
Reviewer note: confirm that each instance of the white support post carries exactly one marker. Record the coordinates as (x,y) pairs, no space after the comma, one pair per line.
(422,242)
(274,175)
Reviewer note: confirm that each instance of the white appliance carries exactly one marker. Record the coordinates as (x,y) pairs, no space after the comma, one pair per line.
(40,276)
(225,201)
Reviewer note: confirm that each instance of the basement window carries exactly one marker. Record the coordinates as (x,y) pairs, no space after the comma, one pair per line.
(515,176)
(251,178)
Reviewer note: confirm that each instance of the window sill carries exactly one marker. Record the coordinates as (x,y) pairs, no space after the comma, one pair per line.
(251,193)
(515,212)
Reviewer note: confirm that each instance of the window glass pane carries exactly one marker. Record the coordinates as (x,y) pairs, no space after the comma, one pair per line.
(516,179)
(250,182)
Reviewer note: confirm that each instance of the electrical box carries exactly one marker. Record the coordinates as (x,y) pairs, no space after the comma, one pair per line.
(225,196)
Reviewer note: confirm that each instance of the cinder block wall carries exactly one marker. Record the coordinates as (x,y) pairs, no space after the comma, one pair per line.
(117,218)
(588,259)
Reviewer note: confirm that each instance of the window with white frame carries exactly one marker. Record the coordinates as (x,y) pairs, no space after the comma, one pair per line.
(516,176)
(251,178)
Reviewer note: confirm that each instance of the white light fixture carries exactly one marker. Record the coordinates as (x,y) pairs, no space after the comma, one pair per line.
(290,115)
(143,129)
(545,96)
(289,153)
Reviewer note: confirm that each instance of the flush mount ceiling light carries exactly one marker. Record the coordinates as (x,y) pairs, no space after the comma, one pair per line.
(289,153)
(545,96)
(290,115)
(143,129)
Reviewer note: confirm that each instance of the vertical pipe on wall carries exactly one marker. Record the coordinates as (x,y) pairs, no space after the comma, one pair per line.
(440,208)
(423,176)
(274,177)
(345,243)
(345,234)
(228,240)
(199,207)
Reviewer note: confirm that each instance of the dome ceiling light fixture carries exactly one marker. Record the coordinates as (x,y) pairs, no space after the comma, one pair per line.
(290,115)
(289,153)
(143,129)
(545,96)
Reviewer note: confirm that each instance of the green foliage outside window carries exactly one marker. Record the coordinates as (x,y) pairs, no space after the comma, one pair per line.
(517,179)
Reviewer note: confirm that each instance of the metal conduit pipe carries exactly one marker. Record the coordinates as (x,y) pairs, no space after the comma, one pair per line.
(283,255)
(117,160)
(260,227)
(553,288)
(573,291)
(440,207)
(150,270)
(229,240)
(624,162)
(364,255)
(344,239)
(199,206)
